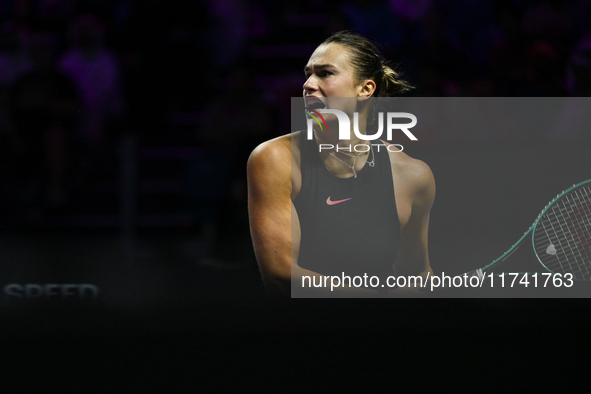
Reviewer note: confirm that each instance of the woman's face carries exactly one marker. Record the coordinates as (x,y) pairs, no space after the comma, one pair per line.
(329,74)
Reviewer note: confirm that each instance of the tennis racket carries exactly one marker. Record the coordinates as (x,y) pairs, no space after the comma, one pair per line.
(560,236)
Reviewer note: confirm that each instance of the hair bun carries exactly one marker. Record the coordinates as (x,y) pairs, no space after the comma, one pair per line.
(391,82)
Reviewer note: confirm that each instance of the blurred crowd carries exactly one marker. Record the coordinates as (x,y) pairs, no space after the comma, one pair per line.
(74,74)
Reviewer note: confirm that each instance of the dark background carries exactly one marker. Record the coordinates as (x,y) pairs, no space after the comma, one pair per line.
(125,127)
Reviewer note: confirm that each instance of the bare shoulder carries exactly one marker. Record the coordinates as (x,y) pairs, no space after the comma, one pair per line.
(415,175)
(272,150)
(272,166)
(272,155)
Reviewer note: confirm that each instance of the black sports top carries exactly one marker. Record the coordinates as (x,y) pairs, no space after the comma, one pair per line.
(348,225)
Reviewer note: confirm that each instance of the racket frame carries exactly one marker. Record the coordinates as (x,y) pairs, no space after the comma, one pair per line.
(531,230)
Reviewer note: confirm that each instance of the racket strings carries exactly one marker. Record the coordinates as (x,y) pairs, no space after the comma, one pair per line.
(573,206)
(554,231)
(582,219)
(566,229)
(562,239)
(578,224)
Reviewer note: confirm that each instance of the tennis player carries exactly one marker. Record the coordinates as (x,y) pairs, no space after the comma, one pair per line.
(359,210)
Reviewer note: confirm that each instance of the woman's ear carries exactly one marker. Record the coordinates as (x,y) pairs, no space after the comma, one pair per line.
(368,87)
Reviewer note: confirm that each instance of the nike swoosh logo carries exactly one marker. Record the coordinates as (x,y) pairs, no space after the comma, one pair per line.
(329,202)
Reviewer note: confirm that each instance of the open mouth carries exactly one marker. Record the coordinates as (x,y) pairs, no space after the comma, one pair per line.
(314,103)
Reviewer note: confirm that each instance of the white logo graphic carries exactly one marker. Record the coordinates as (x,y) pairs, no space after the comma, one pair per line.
(345,125)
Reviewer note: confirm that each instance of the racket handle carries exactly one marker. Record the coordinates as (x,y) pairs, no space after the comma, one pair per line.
(477,273)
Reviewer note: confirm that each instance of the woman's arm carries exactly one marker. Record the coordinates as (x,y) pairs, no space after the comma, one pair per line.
(274,224)
(414,256)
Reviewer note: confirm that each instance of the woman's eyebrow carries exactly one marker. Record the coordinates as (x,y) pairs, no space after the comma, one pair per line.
(308,68)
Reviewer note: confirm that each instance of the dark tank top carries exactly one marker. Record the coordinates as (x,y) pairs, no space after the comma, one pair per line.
(357,236)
